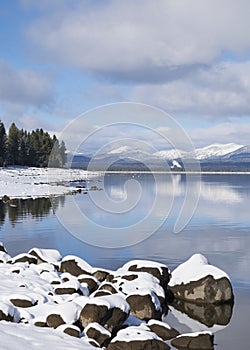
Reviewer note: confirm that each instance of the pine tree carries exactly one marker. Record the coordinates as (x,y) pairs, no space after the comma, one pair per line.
(63,153)
(3,144)
(13,144)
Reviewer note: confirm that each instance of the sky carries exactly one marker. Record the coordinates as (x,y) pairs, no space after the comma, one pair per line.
(188,58)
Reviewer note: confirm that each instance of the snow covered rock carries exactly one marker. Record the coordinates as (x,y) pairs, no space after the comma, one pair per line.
(199,341)
(145,305)
(51,256)
(22,301)
(157,270)
(91,282)
(100,334)
(70,329)
(197,281)
(31,259)
(2,248)
(71,287)
(130,283)
(137,338)
(107,286)
(101,274)
(4,257)
(7,311)
(67,313)
(163,330)
(75,266)
(109,311)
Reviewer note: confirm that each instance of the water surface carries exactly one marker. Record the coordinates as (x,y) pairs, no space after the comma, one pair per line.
(219,229)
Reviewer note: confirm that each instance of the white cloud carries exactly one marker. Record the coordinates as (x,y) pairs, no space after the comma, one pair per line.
(140,40)
(24,87)
(218,91)
(224,133)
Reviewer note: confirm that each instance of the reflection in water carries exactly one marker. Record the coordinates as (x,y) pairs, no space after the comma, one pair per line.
(35,208)
(207,314)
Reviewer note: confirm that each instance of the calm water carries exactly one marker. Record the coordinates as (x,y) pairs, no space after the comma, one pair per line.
(128,209)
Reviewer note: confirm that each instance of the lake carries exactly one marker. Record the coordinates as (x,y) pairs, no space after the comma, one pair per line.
(134,216)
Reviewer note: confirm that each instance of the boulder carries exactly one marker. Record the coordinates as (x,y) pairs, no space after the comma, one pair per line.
(106,286)
(7,312)
(91,282)
(130,283)
(71,330)
(101,274)
(145,305)
(199,341)
(109,311)
(54,320)
(4,257)
(137,338)
(71,287)
(65,313)
(163,330)
(197,281)
(93,313)
(2,248)
(75,266)
(51,256)
(158,270)
(100,334)
(19,302)
(31,259)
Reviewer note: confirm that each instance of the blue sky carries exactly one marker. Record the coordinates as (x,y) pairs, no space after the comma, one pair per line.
(60,58)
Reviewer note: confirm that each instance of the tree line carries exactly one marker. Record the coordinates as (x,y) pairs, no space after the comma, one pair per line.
(36,148)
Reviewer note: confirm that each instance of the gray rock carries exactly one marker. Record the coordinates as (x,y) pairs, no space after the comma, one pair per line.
(23,258)
(143,307)
(2,248)
(54,320)
(199,342)
(91,282)
(22,303)
(161,272)
(93,313)
(98,333)
(162,330)
(206,290)
(71,266)
(101,274)
(72,331)
(138,345)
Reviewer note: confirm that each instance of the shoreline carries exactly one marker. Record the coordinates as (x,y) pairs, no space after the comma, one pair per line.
(31,182)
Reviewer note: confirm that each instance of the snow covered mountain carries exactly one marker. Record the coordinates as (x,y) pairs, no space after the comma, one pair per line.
(209,152)
(130,157)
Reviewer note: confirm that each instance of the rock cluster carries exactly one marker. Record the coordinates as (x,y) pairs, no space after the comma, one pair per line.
(120,309)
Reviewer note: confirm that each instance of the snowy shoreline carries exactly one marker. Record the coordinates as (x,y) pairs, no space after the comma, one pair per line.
(65,303)
(26,182)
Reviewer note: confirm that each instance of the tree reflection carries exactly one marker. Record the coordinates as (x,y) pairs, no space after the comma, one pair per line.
(35,208)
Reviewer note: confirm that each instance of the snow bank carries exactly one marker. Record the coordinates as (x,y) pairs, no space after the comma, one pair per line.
(28,337)
(22,182)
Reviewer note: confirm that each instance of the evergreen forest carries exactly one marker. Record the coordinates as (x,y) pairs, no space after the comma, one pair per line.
(34,148)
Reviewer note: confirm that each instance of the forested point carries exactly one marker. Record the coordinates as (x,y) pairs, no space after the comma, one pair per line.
(36,148)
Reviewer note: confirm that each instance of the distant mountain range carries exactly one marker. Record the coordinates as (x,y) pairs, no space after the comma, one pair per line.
(215,157)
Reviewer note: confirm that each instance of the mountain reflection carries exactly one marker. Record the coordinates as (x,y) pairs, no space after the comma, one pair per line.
(35,208)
